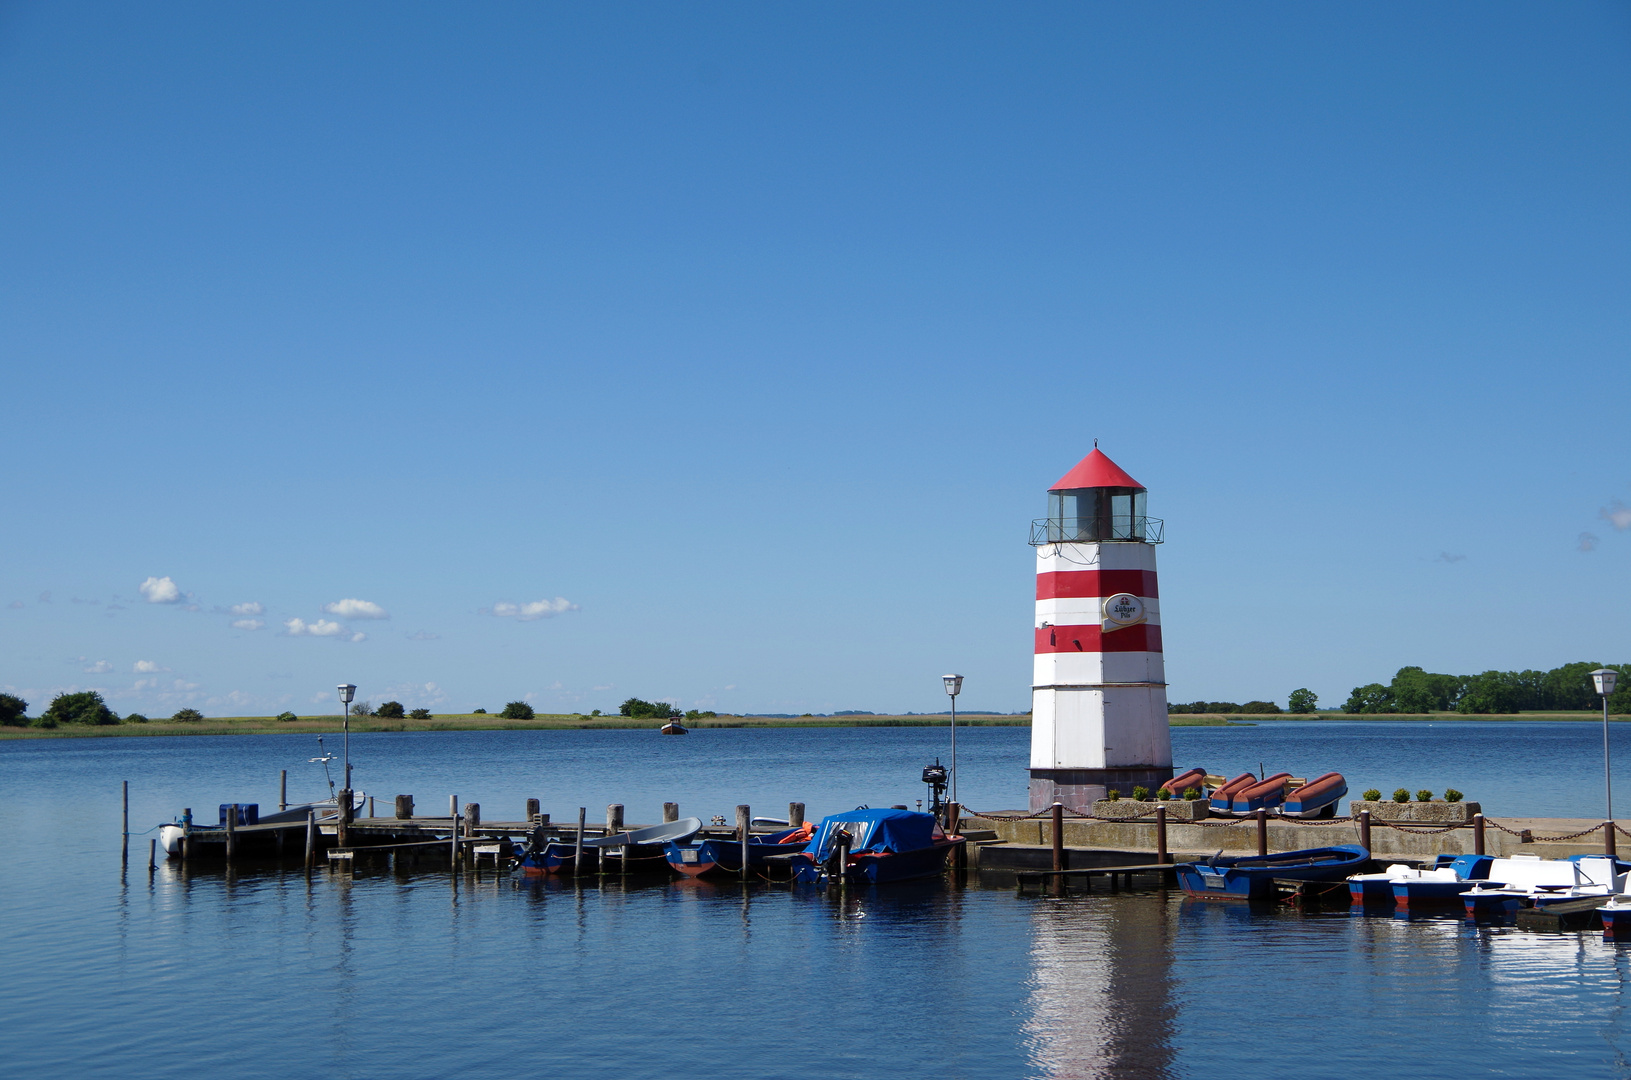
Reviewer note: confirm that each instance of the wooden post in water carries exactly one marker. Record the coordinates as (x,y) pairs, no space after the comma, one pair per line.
(186,834)
(795,814)
(532,810)
(311,838)
(404,807)
(124,847)
(1478,834)
(232,831)
(1262,832)
(370,806)
(453,832)
(472,819)
(283,789)
(1160,834)
(577,847)
(614,818)
(1364,829)
(1608,839)
(744,818)
(1058,835)
(152,855)
(843,859)
(671,811)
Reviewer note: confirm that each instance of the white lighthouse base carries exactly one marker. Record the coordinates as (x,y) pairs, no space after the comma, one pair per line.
(1079,789)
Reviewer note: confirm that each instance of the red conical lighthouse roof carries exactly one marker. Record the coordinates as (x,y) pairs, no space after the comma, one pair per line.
(1096,470)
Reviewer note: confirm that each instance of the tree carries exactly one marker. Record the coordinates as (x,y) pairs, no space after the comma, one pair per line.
(517,710)
(647,710)
(1418,691)
(187,716)
(135,718)
(420,714)
(1302,700)
(1492,692)
(362,708)
(1374,698)
(13,711)
(478,712)
(85,707)
(286,716)
(391,710)
(1260,707)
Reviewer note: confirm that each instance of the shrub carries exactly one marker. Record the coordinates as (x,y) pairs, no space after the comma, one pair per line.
(287,716)
(1164,795)
(1260,707)
(135,718)
(85,707)
(1113,795)
(1424,795)
(1141,794)
(478,712)
(1372,795)
(420,714)
(391,710)
(1192,793)
(12,710)
(1401,795)
(595,713)
(1452,795)
(693,714)
(187,716)
(517,710)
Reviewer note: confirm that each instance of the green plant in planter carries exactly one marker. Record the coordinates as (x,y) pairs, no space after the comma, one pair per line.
(1372,795)
(1424,795)
(1401,795)
(1164,795)
(1141,794)
(1452,795)
(1113,795)
(1192,793)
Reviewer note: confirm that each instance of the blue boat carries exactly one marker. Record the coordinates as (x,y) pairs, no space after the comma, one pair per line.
(557,858)
(1251,877)
(874,846)
(724,855)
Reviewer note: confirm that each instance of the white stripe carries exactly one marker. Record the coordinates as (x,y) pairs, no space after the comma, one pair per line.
(1085,611)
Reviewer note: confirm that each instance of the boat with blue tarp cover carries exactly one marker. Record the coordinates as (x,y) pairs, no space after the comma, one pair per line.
(874,846)
(1252,877)
(723,855)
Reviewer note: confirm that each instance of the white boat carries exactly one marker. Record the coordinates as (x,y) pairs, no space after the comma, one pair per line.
(1530,881)
(170,835)
(677,831)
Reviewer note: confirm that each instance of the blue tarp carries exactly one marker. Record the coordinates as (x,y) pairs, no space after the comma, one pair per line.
(874,830)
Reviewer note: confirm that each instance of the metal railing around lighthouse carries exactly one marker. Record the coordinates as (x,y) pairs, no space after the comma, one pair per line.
(1119,529)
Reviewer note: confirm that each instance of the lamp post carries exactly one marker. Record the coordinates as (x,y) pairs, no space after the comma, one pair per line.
(347,692)
(1605,678)
(954,686)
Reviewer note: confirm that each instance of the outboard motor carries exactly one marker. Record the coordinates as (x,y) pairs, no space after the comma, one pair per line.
(935,776)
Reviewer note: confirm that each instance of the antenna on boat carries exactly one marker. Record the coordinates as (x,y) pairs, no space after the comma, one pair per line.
(325,759)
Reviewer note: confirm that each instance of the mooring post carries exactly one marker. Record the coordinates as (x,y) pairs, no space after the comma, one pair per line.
(283,789)
(1160,834)
(152,855)
(370,806)
(453,831)
(311,838)
(1608,839)
(795,814)
(577,847)
(843,859)
(1364,829)
(1478,834)
(472,819)
(744,817)
(404,807)
(532,810)
(1262,831)
(232,831)
(671,811)
(614,825)
(186,834)
(1058,835)
(124,848)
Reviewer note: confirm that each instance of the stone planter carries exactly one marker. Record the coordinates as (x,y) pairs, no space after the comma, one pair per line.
(1131,810)
(1436,812)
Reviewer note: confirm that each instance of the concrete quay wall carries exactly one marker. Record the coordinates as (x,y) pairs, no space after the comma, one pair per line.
(1283,836)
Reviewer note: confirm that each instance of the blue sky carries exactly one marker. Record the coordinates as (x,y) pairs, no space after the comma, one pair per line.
(723,354)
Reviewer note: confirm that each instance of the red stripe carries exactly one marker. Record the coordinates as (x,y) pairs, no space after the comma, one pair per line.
(1141,638)
(1064,584)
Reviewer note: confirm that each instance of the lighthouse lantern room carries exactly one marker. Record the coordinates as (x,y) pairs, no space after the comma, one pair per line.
(1099,691)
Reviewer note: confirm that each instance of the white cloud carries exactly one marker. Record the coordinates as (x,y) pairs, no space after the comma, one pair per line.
(359,636)
(527,612)
(1588,542)
(356,609)
(160,590)
(319,628)
(147,667)
(246,610)
(247,624)
(101,667)
(1618,515)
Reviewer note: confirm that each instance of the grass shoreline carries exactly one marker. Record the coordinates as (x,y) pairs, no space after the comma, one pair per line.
(322,725)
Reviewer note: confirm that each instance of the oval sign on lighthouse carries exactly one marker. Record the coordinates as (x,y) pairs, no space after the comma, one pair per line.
(1122,609)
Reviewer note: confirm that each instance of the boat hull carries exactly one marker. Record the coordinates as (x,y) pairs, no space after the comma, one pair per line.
(880,867)
(1616,923)
(1252,878)
(557,859)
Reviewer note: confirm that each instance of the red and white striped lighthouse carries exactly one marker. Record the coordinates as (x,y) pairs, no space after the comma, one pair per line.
(1099,689)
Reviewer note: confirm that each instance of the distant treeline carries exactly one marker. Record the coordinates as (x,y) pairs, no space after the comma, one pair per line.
(1225,707)
(1568,687)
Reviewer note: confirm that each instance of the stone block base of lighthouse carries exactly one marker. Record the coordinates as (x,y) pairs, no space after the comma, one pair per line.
(1088,740)
(1079,789)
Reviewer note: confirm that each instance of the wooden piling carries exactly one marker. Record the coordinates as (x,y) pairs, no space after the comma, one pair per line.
(1058,835)
(124,847)
(1364,829)
(671,811)
(795,814)
(283,789)
(1478,834)
(453,833)
(614,818)
(1262,832)
(532,809)
(1160,834)
(744,818)
(1608,840)
(404,807)
(186,834)
(577,846)
(311,838)
(232,831)
(472,819)
(152,855)
(370,806)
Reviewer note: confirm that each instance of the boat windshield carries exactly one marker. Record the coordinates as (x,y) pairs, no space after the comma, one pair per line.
(858,834)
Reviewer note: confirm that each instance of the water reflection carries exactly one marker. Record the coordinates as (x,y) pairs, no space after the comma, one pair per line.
(1101,1003)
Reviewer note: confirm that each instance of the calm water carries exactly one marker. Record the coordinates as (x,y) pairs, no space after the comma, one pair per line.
(265,974)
